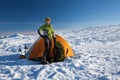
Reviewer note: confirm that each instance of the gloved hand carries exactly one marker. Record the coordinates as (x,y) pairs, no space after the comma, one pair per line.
(54,37)
(39,33)
(43,33)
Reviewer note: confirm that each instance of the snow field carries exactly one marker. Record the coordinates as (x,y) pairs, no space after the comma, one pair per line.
(97,57)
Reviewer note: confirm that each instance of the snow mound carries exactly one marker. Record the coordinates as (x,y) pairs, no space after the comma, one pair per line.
(1,36)
(16,35)
(97,57)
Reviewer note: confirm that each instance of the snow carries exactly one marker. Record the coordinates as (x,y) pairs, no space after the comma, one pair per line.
(16,35)
(97,57)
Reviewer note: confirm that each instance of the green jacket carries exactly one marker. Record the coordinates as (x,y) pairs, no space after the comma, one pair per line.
(49,29)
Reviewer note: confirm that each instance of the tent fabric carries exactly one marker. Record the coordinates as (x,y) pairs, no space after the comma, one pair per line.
(37,50)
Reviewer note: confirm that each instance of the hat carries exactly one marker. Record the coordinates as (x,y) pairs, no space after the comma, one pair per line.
(48,18)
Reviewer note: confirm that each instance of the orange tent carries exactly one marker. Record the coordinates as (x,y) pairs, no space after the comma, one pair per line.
(37,50)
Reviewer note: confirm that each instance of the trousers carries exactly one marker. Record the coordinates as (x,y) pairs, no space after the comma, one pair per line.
(47,43)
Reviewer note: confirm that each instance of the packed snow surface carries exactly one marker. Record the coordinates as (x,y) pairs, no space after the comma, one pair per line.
(97,57)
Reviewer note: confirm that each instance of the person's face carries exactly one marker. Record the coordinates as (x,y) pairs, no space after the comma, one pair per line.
(47,21)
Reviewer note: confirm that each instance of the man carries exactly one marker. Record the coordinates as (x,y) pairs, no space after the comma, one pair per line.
(48,35)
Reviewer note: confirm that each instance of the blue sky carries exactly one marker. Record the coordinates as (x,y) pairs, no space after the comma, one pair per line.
(28,15)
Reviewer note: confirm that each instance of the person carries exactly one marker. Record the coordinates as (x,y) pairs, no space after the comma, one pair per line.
(48,31)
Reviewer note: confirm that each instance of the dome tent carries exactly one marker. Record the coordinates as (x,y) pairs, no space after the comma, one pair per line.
(37,49)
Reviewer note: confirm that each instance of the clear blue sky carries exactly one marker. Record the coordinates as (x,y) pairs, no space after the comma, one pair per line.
(27,15)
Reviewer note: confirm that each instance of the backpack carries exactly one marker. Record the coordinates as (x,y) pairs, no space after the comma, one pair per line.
(58,52)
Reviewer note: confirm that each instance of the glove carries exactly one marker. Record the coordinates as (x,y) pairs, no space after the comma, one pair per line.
(54,37)
(39,33)
(42,33)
